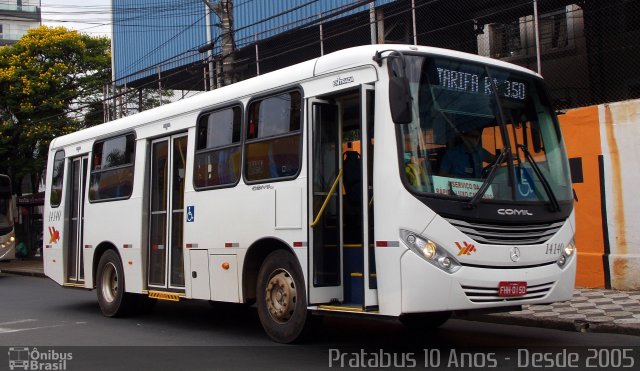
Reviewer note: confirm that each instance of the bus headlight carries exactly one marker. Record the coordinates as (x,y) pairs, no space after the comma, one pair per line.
(12,239)
(429,251)
(569,249)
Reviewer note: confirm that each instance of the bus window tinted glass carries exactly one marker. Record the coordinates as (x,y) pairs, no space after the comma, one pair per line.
(112,168)
(273,135)
(56,179)
(218,154)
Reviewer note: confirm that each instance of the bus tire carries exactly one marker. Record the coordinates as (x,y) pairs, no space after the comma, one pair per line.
(282,298)
(113,300)
(425,321)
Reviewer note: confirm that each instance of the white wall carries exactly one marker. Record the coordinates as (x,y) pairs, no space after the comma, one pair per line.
(620,130)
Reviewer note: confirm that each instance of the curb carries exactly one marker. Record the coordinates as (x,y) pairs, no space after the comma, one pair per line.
(557,324)
(23,273)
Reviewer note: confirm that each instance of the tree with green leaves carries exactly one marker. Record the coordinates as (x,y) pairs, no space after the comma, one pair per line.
(49,79)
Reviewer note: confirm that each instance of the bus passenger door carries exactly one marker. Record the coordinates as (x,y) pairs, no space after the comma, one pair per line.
(75,257)
(166,213)
(325,216)
(367,106)
(341,253)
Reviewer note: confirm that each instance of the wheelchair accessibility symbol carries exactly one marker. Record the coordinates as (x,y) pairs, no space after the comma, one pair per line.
(524,184)
(191,214)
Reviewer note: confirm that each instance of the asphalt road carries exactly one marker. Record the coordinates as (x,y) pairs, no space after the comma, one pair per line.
(36,312)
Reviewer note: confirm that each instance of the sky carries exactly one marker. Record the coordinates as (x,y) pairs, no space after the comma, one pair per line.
(89,16)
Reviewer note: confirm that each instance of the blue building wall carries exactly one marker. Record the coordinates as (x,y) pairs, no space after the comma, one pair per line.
(149,32)
(250,15)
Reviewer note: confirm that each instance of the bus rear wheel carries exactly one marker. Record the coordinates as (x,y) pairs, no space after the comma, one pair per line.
(282,300)
(113,300)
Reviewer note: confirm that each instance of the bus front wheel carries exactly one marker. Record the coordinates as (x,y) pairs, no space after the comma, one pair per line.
(113,300)
(282,301)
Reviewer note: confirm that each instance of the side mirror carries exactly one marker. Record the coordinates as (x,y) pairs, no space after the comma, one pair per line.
(400,100)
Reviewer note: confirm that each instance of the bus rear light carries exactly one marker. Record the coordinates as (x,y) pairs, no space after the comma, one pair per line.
(231,244)
(191,246)
(299,244)
(127,246)
(429,251)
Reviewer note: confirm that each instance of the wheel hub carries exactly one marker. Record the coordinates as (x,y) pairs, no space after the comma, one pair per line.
(281,296)
(109,282)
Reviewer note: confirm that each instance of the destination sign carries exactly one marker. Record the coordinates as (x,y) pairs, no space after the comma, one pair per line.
(476,84)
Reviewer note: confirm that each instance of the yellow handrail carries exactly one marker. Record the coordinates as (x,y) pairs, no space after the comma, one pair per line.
(326,200)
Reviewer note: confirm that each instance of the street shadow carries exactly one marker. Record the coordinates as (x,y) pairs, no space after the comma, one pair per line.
(238,321)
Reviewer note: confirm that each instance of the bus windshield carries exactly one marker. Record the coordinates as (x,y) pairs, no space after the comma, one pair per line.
(465,115)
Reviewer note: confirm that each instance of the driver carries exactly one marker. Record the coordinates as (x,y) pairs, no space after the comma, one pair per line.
(464,159)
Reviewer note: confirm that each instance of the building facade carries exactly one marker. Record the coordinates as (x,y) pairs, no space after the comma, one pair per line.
(16,17)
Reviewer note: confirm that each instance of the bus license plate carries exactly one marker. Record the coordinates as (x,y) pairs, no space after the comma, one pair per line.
(512,288)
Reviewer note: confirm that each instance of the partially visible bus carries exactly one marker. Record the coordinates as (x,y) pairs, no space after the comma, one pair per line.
(7,232)
(246,195)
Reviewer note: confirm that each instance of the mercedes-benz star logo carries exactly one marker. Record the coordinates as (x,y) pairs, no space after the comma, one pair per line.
(515,254)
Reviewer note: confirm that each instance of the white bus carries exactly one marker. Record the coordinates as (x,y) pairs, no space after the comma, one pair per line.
(7,232)
(342,184)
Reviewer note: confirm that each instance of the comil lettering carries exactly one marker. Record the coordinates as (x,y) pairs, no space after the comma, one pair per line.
(514,212)
(343,80)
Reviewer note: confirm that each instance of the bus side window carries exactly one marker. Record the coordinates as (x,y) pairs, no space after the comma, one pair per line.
(273,147)
(112,171)
(218,152)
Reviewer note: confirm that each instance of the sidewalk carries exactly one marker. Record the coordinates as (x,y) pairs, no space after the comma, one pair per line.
(24,267)
(590,310)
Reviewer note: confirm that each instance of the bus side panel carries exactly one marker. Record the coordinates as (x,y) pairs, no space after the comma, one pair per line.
(253,211)
(53,234)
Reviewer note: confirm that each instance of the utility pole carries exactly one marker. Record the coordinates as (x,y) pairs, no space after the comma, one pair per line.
(208,12)
(224,11)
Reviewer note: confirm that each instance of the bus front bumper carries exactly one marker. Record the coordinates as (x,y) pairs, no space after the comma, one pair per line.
(426,288)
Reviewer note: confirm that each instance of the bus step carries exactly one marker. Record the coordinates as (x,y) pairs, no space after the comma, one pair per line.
(163,295)
(347,308)
(74,285)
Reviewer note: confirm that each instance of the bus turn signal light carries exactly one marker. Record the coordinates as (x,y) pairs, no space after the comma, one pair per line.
(225,266)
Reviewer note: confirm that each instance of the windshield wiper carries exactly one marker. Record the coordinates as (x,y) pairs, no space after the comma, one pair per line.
(555,206)
(489,179)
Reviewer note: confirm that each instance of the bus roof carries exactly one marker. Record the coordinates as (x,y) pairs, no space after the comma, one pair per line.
(336,61)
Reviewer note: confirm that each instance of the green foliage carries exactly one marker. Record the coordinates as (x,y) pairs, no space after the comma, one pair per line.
(47,80)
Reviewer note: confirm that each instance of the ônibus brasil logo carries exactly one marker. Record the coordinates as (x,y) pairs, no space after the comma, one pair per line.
(25,358)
